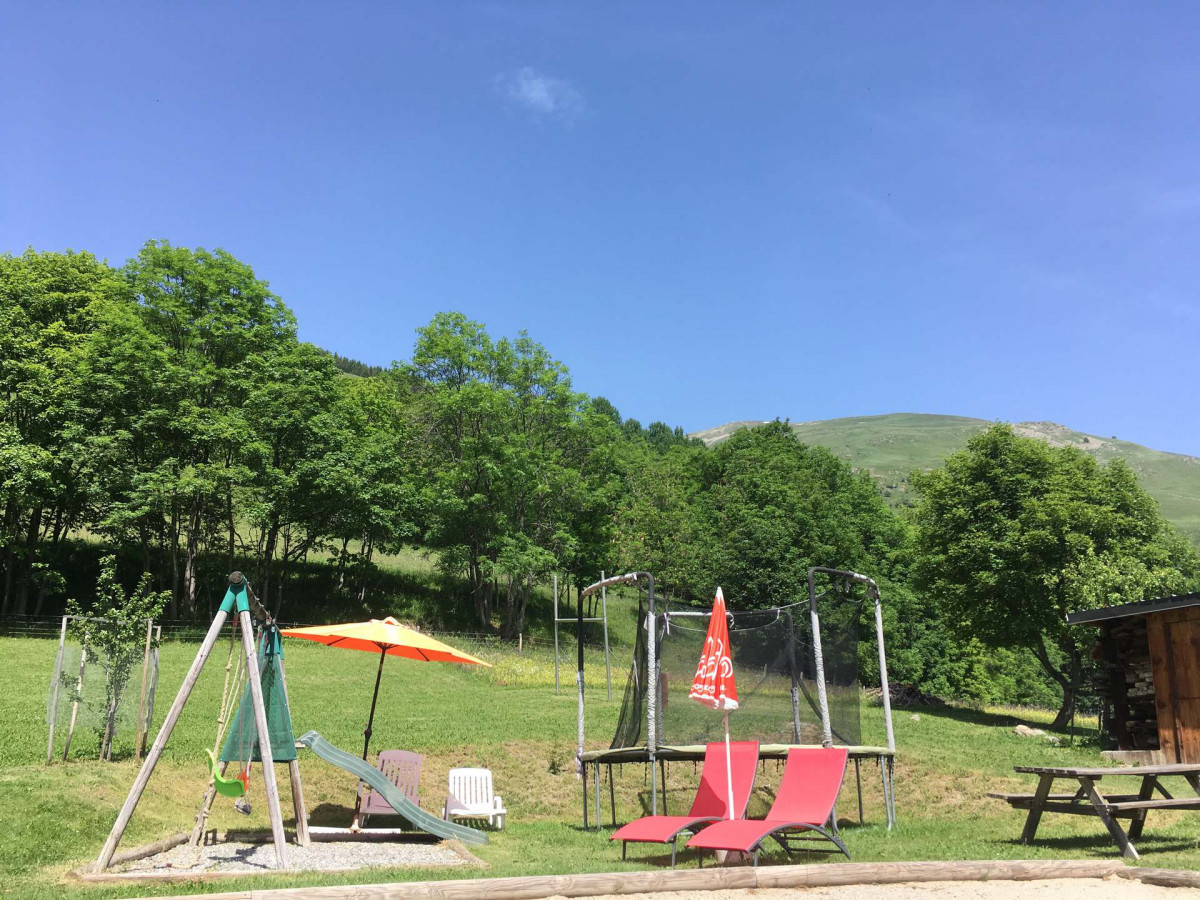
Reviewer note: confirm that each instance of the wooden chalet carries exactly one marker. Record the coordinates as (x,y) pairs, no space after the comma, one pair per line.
(1150,676)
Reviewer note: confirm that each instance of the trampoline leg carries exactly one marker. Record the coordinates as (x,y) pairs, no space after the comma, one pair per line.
(673,848)
(624,844)
(858,781)
(597,780)
(887,808)
(758,850)
(583,781)
(612,796)
(662,768)
(891,766)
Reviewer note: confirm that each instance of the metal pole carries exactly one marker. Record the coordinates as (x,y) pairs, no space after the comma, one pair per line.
(62,642)
(795,688)
(579,684)
(651,694)
(818,658)
(607,667)
(556,633)
(883,676)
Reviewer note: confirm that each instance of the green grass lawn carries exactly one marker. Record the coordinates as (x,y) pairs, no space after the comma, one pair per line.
(509,719)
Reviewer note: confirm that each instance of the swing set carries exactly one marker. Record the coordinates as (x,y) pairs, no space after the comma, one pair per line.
(253,725)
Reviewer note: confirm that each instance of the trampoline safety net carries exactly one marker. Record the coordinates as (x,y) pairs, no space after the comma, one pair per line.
(775,667)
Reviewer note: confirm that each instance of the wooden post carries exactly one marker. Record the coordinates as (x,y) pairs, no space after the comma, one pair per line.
(78,693)
(62,642)
(302,836)
(149,719)
(160,742)
(264,740)
(137,747)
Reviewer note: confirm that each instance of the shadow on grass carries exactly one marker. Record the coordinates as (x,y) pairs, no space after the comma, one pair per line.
(1103,845)
(970,716)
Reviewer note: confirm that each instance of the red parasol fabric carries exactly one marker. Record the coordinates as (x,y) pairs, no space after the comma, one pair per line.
(714,684)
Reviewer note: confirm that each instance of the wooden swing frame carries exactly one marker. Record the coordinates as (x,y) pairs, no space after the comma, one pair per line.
(236,602)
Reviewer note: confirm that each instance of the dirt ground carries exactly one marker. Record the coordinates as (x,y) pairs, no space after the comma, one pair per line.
(1056,889)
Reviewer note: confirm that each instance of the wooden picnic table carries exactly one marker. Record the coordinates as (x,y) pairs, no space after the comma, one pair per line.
(1109,808)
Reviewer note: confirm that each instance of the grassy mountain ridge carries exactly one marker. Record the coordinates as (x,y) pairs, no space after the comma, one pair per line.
(891,446)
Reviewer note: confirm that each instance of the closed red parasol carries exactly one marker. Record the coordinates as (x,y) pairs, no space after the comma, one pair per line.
(714,684)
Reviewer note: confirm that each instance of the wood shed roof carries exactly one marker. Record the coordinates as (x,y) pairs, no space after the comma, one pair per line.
(1125,610)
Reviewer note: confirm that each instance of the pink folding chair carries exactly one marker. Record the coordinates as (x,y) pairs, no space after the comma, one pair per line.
(812,778)
(401,768)
(712,798)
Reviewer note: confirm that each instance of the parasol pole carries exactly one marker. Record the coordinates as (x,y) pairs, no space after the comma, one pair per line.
(374,699)
(728,768)
(367,735)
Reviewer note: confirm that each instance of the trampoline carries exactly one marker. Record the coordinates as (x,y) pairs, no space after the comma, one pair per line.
(797,668)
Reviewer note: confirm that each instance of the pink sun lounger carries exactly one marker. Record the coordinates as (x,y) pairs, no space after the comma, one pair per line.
(711,803)
(812,778)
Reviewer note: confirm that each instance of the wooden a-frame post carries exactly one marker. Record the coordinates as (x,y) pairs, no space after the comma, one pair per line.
(235,602)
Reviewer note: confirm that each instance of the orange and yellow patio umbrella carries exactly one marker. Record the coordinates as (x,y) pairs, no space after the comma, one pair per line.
(387,637)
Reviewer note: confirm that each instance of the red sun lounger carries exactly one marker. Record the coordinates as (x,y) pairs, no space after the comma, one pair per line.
(712,798)
(812,777)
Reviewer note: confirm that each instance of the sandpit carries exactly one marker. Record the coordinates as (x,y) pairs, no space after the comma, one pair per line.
(1113,888)
(234,857)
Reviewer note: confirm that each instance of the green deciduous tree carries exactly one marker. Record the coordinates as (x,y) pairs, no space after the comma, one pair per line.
(49,306)
(504,457)
(1013,534)
(214,317)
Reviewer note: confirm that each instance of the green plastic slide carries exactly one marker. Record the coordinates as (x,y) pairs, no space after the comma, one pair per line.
(415,816)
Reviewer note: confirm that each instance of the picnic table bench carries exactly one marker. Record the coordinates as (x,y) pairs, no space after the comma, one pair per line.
(1087,800)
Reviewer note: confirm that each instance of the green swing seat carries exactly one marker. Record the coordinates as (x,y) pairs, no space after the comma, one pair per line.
(227,787)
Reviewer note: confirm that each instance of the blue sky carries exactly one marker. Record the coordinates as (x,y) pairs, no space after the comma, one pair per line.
(710,212)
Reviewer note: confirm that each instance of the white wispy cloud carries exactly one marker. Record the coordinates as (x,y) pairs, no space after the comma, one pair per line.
(540,95)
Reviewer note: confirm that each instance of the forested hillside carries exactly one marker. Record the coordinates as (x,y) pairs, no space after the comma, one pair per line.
(892,446)
(165,412)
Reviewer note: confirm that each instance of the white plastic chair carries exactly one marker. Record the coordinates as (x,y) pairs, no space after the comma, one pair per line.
(471,797)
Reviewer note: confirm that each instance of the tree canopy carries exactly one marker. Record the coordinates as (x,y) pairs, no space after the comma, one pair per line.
(1013,534)
(166,413)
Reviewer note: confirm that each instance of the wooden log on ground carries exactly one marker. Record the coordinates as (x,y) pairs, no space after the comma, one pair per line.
(896,873)
(537,887)
(149,849)
(1163,877)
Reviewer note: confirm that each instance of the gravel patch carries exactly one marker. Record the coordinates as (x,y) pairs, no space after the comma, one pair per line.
(324,855)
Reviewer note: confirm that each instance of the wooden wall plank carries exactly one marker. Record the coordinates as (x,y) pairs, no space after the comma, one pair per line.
(1156,628)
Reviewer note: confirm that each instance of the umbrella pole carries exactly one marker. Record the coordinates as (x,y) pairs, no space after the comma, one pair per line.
(367,736)
(729,768)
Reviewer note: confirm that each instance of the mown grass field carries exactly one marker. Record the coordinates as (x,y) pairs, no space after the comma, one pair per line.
(507,718)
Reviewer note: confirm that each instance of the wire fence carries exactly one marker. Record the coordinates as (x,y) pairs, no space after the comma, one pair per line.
(184,631)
